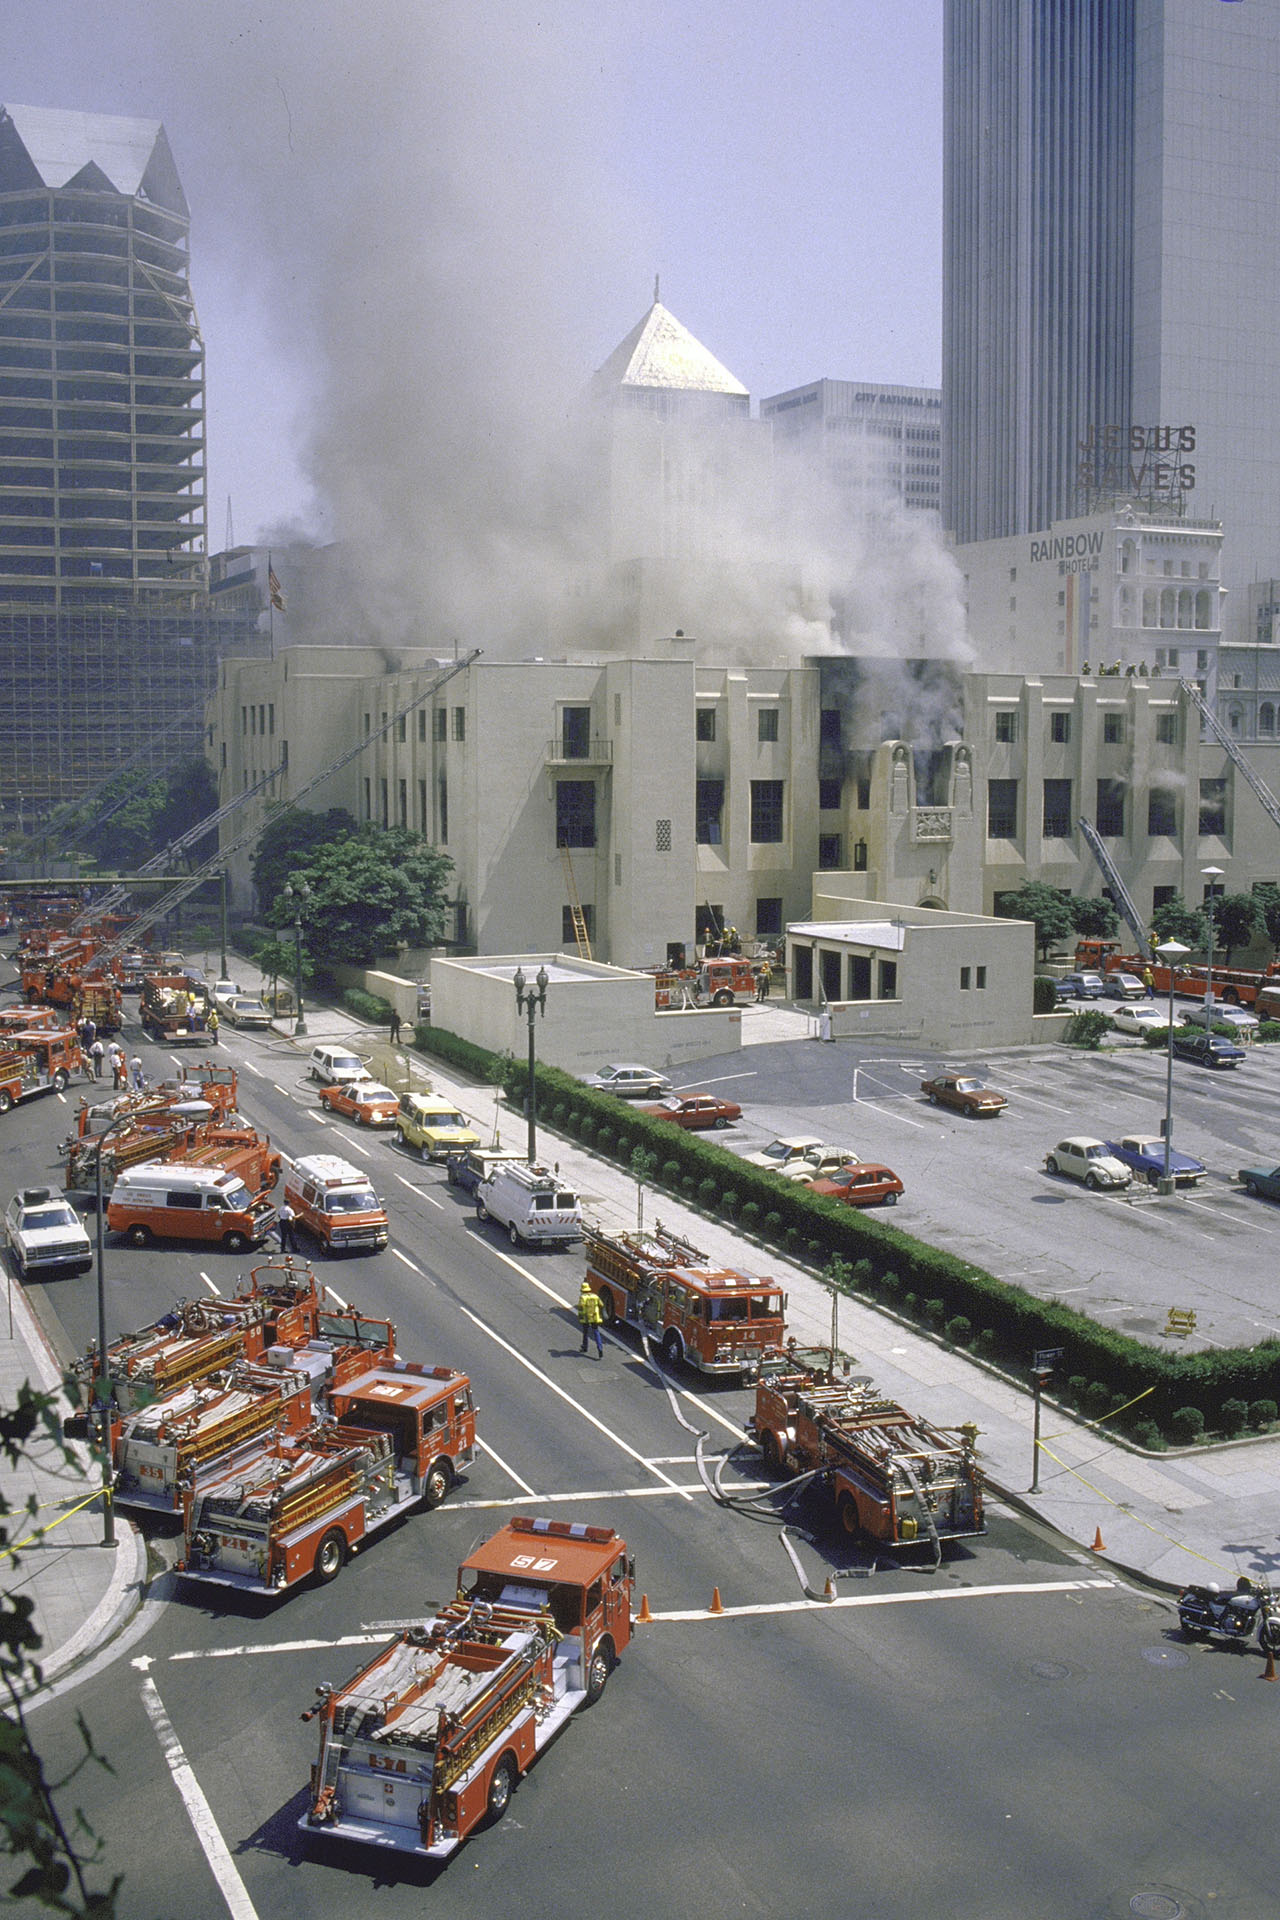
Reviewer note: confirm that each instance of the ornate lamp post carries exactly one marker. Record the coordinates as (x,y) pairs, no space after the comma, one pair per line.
(1171,952)
(1211,874)
(188,1109)
(297,896)
(534,1001)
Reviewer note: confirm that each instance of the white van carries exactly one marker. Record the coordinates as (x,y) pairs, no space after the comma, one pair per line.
(532,1203)
(332,1066)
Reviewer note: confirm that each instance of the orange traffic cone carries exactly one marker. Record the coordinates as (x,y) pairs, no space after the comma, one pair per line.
(1097,1546)
(1269,1672)
(644,1613)
(717,1604)
(829,1592)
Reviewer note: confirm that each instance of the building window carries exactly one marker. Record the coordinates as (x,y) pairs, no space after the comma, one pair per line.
(459,723)
(888,979)
(443,793)
(1060,728)
(1162,814)
(575,732)
(1002,809)
(368,799)
(766,811)
(768,916)
(1110,810)
(1167,729)
(704,725)
(439,723)
(575,813)
(1113,729)
(424,825)
(1007,727)
(422,725)
(1213,807)
(829,795)
(830,851)
(1057,810)
(767,723)
(662,836)
(382,803)
(964,979)
(708,812)
(368,723)
(568,932)
(1161,896)
(402,802)
(271,717)
(1266,717)
(980,978)
(830,729)
(401,723)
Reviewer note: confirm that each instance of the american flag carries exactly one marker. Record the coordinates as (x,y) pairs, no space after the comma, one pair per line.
(275,590)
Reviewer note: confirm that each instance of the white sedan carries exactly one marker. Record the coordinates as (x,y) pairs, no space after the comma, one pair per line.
(45,1231)
(1138,1017)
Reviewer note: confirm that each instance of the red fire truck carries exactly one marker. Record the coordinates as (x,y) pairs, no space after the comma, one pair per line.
(716,1318)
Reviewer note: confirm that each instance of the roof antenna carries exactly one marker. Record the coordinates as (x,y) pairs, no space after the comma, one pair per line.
(655,290)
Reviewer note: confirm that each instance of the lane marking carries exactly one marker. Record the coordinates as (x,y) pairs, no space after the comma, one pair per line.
(560,1393)
(284,1090)
(341,1303)
(209,1283)
(199,1812)
(258,1070)
(891,1113)
(359,1145)
(507,1468)
(412,1264)
(888,1599)
(722,1081)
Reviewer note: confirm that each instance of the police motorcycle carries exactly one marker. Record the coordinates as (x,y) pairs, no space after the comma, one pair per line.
(1237,1615)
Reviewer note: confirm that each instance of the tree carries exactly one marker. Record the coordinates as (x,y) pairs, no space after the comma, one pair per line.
(31,1828)
(1237,919)
(287,841)
(134,818)
(1049,909)
(1097,919)
(372,891)
(1175,920)
(1268,898)
(191,795)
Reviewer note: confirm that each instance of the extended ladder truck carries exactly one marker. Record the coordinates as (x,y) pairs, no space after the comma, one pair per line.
(432,1736)
(893,1476)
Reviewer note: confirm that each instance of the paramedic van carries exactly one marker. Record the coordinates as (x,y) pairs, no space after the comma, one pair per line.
(336,1204)
(534,1204)
(163,1200)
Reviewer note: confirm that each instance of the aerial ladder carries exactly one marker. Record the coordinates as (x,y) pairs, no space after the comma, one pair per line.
(176,894)
(1215,727)
(52,825)
(1116,887)
(578,917)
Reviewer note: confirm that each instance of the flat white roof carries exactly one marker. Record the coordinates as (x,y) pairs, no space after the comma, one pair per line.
(858,933)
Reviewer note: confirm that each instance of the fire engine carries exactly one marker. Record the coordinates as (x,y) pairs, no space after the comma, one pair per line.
(299,1506)
(433,1735)
(1238,985)
(728,981)
(893,1476)
(716,1318)
(36,1062)
(155,1132)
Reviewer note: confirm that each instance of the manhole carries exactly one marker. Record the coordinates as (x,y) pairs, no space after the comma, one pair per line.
(1050,1670)
(1164,1657)
(1156,1906)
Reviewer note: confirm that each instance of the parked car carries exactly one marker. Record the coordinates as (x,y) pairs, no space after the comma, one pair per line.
(628,1081)
(433,1125)
(1262,1181)
(223,992)
(1082,1158)
(367,1102)
(45,1231)
(1140,1018)
(1144,1154)
(1123,986)
(695,1110)
(865,1185)
(1080,986)
(245,1010)
(1206,1049)
(468,1169)
(1243,1024)
(798,1157)
(964,1093)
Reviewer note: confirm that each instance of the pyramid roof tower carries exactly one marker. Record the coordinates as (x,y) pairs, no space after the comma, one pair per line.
(660,355)
(50,147)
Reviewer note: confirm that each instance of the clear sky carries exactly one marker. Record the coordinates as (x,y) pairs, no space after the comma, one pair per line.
(477,196)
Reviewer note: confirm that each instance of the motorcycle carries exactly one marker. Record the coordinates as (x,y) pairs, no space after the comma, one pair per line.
(1252,1607)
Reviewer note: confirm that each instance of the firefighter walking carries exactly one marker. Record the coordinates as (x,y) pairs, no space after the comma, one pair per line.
(590,1317)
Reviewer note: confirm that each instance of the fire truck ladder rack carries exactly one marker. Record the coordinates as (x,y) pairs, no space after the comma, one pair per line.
(1270,804)
(1116,887)
(576,914)
(177,894)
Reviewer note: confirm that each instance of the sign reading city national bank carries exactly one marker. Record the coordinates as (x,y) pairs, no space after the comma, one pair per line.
(1134,459)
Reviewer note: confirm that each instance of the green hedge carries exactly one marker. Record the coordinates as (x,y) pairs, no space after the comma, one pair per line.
(370,1007)
(1138,1386)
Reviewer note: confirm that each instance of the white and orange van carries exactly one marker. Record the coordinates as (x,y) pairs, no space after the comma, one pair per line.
(162,1200)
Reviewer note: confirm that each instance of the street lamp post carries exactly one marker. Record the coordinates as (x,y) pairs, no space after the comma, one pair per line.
(533,1001)
(297,898)
(222,890)
(1171,952)
(188,1109)
(1210,874)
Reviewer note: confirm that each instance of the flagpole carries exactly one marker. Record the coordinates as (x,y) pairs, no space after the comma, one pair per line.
(271,607)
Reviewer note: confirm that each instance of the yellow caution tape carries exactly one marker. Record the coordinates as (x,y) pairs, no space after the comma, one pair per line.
(34,1539)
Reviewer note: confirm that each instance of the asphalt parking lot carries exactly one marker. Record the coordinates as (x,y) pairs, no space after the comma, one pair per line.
(979,1187)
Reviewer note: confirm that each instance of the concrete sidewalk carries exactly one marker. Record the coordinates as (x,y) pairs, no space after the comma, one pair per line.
(1170,1518)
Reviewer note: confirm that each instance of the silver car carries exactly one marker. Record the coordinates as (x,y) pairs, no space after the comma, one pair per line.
(1243,1024)
(628,1080)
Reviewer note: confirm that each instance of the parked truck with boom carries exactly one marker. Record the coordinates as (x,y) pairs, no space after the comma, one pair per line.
(432,1736)
(301,1505)
(717,1319)
(893,1477)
